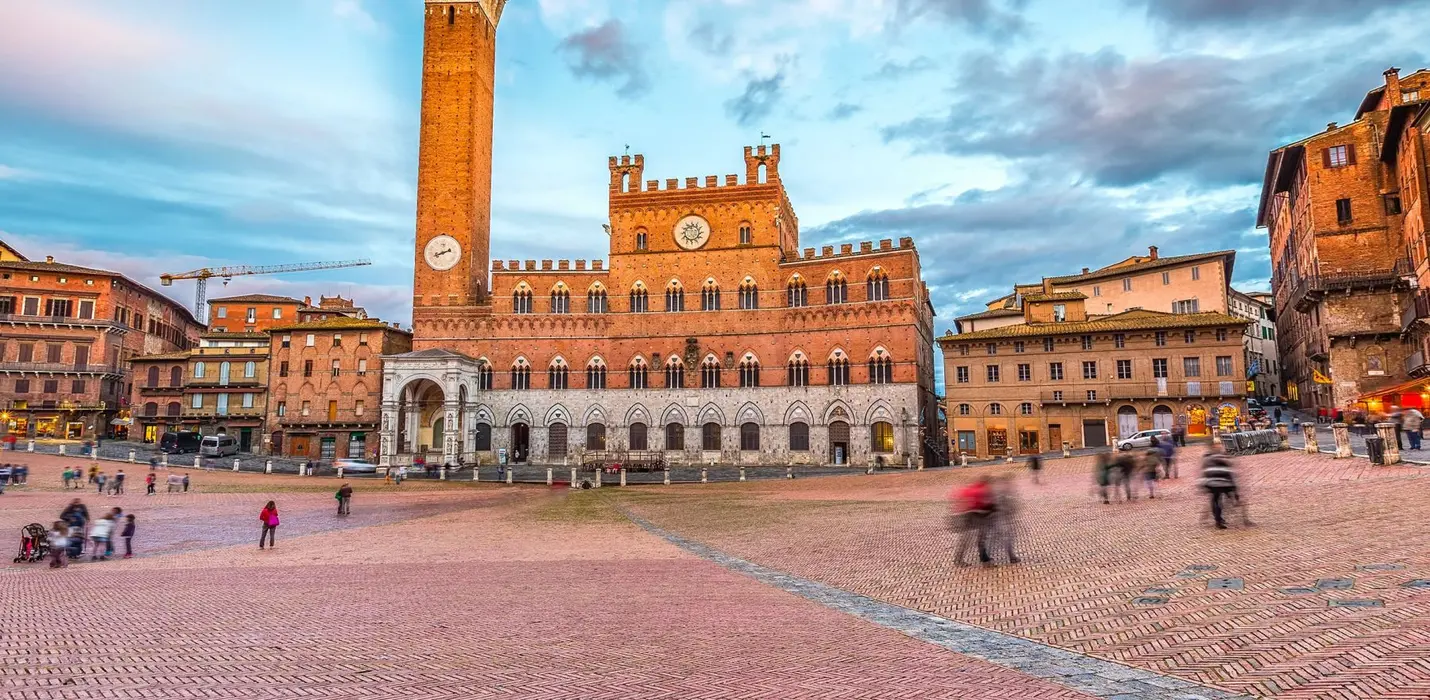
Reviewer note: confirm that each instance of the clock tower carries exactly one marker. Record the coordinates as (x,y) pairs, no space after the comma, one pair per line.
(454,168)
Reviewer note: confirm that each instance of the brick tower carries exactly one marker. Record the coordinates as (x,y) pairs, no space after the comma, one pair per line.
(454,170)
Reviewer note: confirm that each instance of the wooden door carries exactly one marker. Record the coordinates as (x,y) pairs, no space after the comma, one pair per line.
(300,445)
(1055,437)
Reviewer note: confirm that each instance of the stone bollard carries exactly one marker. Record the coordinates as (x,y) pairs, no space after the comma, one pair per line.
(789,472)
(742,473)
(268,466)
(1392,450)
(1284,432)
(599,471)
(548,476)
(164,461)
(963,459)
(302,470)
(1343,440)
(62,450)
(198,462)
(1309,430)
(573,477)
(131,456)
(666,479)
(1008,459)
(476,474)
(235,464)
(510,470)
(442,473)
(1067,448)
(704,477)
(30,447)
(623,476)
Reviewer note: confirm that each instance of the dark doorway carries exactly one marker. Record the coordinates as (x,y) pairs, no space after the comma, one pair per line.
(839,442)
(520,443)
(1094,433)
(245,439)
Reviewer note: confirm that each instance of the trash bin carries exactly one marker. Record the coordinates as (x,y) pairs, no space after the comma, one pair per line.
(1375,447)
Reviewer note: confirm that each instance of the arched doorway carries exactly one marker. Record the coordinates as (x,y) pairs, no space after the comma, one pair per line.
(1126,421)
(557,440)
(839,442)
(1162,418)
(421,425)
(520,442)
(1197,420)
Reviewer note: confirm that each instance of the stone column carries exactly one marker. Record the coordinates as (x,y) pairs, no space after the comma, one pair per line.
(1284,431)
(451,432)
(1343,440)
(1309,430)
(1392,450)
(387,435)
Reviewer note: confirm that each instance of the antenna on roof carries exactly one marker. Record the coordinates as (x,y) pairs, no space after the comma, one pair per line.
(628,149)
(764,137)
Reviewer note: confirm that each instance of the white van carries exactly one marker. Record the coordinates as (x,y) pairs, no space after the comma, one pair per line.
(218,446)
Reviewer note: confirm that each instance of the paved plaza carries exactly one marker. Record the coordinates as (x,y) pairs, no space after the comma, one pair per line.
(818,587)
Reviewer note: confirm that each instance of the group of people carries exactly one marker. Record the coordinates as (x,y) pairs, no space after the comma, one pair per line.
(74,530)
(13,474)
(985,512)
(1120,471)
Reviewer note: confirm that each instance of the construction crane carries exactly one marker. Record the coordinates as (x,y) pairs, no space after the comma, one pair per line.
(201,276)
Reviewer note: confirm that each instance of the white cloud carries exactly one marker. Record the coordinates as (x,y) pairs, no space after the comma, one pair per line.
(9,173)
(353,11)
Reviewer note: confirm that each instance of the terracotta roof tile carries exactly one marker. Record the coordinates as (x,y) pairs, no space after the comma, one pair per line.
(260,299)
(1055,296)
(991,313)
(340,323)
(1137,320)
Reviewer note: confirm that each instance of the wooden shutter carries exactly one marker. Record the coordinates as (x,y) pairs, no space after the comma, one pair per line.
(1350,154)
(1325,157)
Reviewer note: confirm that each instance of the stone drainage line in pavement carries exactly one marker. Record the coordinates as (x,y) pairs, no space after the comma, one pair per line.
(1086,674)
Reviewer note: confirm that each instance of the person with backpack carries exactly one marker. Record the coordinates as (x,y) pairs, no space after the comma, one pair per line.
(269,517)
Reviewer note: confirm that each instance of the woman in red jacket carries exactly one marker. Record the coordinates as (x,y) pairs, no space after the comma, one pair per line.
(269,517)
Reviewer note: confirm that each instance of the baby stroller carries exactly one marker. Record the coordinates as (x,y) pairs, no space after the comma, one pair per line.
(34,544)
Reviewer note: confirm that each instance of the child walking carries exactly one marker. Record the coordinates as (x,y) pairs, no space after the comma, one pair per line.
(128,535)
(59,543)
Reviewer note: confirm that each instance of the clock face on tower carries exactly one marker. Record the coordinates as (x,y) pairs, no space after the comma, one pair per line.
(442,252)
(692,232)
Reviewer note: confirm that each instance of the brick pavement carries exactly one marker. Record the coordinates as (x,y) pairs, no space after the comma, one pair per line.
(456,592)
(1086,566)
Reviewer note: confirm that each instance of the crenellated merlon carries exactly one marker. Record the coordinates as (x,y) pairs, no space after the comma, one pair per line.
(627,173)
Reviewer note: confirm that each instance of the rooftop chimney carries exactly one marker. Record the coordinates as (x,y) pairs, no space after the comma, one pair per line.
(1392,86)
(1331,126)
(1085,270)
(307,301)
(1152,252)
(49,258)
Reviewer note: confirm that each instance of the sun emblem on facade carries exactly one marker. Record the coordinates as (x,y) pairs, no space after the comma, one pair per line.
(692,232)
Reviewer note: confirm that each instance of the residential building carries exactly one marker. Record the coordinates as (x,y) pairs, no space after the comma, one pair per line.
(329,307)
(67,334)
(325,390)
(1063,375)
(1342,270)
(253,313)
(227,388)
(1258,342)
(1405,151)
(1176,284)
(712,336)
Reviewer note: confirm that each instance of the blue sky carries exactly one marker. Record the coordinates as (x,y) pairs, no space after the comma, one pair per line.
(1011,138)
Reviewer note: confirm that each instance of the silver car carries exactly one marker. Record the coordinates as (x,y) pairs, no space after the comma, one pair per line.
(1143,438)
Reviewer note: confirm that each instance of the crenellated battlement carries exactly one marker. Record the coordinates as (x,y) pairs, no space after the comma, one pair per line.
(846,250)
(761,168)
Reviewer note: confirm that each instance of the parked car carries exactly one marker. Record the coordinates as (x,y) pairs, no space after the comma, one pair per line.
(1143,438)
(355,466)
(218,446)
(176,443)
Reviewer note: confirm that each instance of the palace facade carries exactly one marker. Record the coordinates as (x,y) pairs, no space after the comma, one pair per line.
(709,334)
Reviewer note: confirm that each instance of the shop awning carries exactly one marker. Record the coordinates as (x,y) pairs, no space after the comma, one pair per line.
(121,421)
(1414,386)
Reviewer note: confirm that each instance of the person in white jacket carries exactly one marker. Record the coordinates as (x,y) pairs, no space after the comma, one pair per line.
(99,534)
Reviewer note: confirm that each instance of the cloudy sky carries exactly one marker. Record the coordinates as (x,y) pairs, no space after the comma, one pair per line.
(1011,138)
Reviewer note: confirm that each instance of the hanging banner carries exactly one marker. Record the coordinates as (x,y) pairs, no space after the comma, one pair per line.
(1319,378)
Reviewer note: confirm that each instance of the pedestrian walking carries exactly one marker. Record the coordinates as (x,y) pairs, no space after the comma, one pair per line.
(269,517)
(186,483)
(1169,458)
(1179,435)
(1414,420)
(1398,419)
(1124,465)
(1035,467)
(973,507)
(1150,465)
(118,484)
(93,471)
(59,544)
(1219,481)
(1277,413)
(128,535)
(345,500)
(99,538)
(116,517)
(99,480)
(401,474)
(1102,475)
(149,484)
(67,476)
(1005,518)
